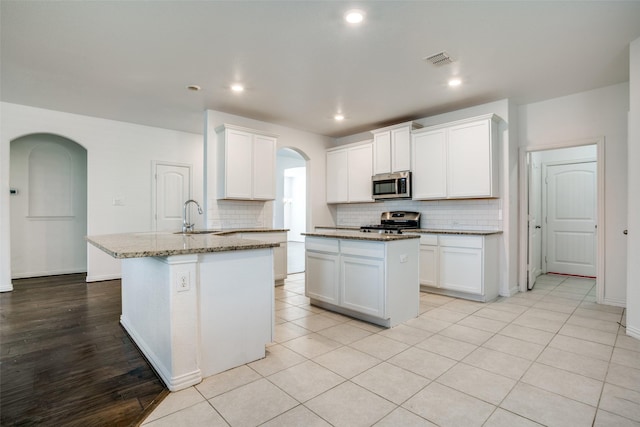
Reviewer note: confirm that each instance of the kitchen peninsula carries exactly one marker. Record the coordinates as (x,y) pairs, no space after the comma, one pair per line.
(195,304)
(370,276)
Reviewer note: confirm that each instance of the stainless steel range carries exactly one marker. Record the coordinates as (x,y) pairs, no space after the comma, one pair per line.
(394,223)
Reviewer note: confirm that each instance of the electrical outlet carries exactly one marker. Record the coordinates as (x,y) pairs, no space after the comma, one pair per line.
(183,281)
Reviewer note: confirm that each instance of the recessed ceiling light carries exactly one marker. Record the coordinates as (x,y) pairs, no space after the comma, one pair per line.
(237,87)
(354,16)
(339,117)
(194,87)
(455,82)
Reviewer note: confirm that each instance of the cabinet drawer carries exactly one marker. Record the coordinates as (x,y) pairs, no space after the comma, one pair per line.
(475,242)
(319,244)
(360,248)
(429,239)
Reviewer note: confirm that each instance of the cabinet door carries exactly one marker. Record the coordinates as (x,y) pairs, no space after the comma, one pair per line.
(280,262)
(238,164)
(429,265)
(322,276)
(360,169)
(264,168)
(337,176)
(382,152)
(461,269)
(363,285)
(429,165)
(469,160)
(400,150)
(279,253)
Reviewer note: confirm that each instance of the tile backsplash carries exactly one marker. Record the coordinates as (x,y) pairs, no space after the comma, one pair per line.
(475,214)
(227,214)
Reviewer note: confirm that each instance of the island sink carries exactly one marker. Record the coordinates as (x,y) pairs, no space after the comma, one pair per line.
(198,232)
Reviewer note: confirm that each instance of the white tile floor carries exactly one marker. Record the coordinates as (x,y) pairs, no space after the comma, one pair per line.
(551,356)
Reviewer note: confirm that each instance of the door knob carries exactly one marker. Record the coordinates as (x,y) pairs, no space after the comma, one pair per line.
(625,232)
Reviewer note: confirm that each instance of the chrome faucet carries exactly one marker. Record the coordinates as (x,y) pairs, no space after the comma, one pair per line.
(186,227)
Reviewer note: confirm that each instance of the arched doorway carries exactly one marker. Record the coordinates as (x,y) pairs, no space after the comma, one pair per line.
(48,206)
(290,207)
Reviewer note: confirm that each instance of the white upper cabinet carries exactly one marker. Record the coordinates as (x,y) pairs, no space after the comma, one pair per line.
(429,165)
(337,176)
(246,164)
(264,167)
(349,171)
(401,149)
(392,148)
(472,160)
(360,172)
(457,160)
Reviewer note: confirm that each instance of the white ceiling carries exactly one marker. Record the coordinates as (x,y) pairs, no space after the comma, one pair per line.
(301,63)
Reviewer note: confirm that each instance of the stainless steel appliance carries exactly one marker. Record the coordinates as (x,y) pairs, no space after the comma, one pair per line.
(394,223)
(395,185)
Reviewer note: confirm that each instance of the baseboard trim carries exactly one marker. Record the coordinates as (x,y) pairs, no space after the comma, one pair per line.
(8,287)
(173,383)
(633,332)
(47,273)
(103,277)
(615,302)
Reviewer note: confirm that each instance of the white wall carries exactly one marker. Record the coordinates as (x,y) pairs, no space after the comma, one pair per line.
(633,239)
(119,157)
(589,115)
(311,146)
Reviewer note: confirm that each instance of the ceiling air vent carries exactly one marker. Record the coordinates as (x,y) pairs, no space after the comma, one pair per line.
(441,58)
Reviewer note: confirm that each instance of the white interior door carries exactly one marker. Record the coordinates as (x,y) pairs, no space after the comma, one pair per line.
(535,223)
(571,218)
(172,189)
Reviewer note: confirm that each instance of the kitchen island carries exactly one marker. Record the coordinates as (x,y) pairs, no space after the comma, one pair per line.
(195,304)
(369,276)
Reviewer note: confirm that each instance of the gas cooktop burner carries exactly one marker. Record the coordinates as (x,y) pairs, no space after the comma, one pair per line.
(381,229)
(394,223)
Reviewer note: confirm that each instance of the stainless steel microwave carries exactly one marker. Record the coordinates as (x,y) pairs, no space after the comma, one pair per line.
(395,185)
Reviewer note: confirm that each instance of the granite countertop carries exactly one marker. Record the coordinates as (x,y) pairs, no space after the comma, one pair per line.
(356,234)
(419,230)
(462,232)
(152,244)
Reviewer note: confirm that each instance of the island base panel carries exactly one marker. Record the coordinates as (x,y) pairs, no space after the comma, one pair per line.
(195,315)
(236,308)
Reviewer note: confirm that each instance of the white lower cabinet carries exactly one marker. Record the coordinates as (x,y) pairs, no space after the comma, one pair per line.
(429,264)
(363,284)
(370,280)
(325,269)
(279,252)
(461,266)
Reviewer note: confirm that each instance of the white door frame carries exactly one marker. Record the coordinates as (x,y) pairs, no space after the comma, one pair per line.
(523,210)
(154,186)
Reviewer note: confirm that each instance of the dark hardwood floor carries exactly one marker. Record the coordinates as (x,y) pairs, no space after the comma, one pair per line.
(65,360)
